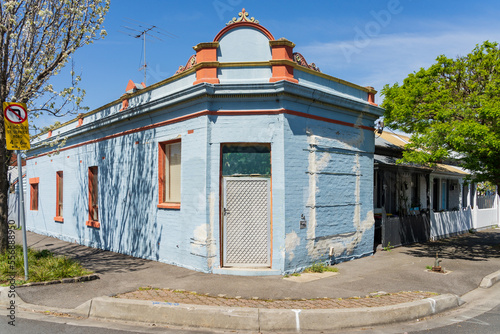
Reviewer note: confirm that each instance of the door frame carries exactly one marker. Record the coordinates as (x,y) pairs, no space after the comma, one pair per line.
(221,203)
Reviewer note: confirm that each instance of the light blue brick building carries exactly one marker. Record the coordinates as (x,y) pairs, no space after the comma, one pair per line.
(248,161)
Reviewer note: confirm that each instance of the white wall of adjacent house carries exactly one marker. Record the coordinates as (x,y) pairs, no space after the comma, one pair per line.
(451,218)
(486,211)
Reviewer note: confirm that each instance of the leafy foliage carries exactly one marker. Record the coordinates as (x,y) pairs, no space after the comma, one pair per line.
(452,110)
(37,38)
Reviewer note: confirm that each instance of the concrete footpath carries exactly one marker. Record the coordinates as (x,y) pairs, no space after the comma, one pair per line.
(387,287)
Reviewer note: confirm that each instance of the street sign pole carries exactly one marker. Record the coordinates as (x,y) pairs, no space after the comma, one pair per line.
(21,213)
(15,116)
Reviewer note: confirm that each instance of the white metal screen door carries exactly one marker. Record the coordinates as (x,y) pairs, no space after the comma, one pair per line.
(246,222)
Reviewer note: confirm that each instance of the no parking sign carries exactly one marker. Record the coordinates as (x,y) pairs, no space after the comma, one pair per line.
(15,116)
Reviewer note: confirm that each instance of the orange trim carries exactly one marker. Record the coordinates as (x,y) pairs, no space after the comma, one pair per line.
(80,122)
(213,113)
(206,74)
(59,219)
(49,134)
(283,72)
(93,171)
(93,223)
(34,180)
(282,50)
(175,206)
(124,104)
(130,85)
(243,24)
(190,132)
(59,184)
(371,99)
(204,54)
(162,154)
(34,196)
(161,176)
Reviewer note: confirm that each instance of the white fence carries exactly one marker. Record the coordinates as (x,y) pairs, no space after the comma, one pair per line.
(445,224)
(486,217)
(449,223)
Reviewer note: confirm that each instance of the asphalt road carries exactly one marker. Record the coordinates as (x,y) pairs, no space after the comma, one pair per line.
(480,314)
(486,323)
(31,323)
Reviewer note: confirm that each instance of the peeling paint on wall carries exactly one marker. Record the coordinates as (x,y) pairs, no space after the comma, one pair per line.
(212,249)
(292,240)
(357,141)
(199,240)
(343,244)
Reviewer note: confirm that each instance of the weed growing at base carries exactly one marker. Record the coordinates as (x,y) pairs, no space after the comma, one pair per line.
(319,267)
(389,247)
(43,266)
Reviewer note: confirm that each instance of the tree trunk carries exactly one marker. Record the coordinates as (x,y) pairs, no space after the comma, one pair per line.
(4,189)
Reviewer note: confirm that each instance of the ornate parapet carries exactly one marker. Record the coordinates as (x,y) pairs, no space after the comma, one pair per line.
(243,17)
(300,60)
(190,63)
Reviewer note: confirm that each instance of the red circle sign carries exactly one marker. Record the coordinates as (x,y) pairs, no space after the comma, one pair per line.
(15,113)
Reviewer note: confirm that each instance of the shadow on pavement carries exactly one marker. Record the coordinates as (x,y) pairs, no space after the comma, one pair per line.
(97,260)
(469,247)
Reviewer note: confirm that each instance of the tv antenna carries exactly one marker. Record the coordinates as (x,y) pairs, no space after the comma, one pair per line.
(143,30)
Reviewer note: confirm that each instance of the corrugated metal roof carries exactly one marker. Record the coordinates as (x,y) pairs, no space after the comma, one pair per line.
(397,142)
(449,168)
(388,139)
(12,173)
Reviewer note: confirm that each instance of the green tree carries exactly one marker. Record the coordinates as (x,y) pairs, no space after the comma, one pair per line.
(452,111)
(37,38)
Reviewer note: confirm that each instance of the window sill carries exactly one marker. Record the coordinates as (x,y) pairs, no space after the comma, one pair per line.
(59,219)
(93,223)
(175,206)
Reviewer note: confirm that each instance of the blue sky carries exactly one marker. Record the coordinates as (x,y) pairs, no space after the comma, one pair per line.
(369,43)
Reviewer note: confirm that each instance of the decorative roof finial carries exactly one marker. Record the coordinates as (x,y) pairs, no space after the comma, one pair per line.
(243,17)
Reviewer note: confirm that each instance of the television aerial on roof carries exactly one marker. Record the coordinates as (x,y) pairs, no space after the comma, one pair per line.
(142,30)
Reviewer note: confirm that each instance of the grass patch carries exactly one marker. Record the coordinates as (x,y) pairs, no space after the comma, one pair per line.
(43,266)
(319,267)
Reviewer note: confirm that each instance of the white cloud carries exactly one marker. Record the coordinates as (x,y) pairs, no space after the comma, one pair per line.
(389,58)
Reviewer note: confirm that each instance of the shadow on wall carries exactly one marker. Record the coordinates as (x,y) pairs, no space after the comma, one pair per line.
(472,247)
(126,171)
